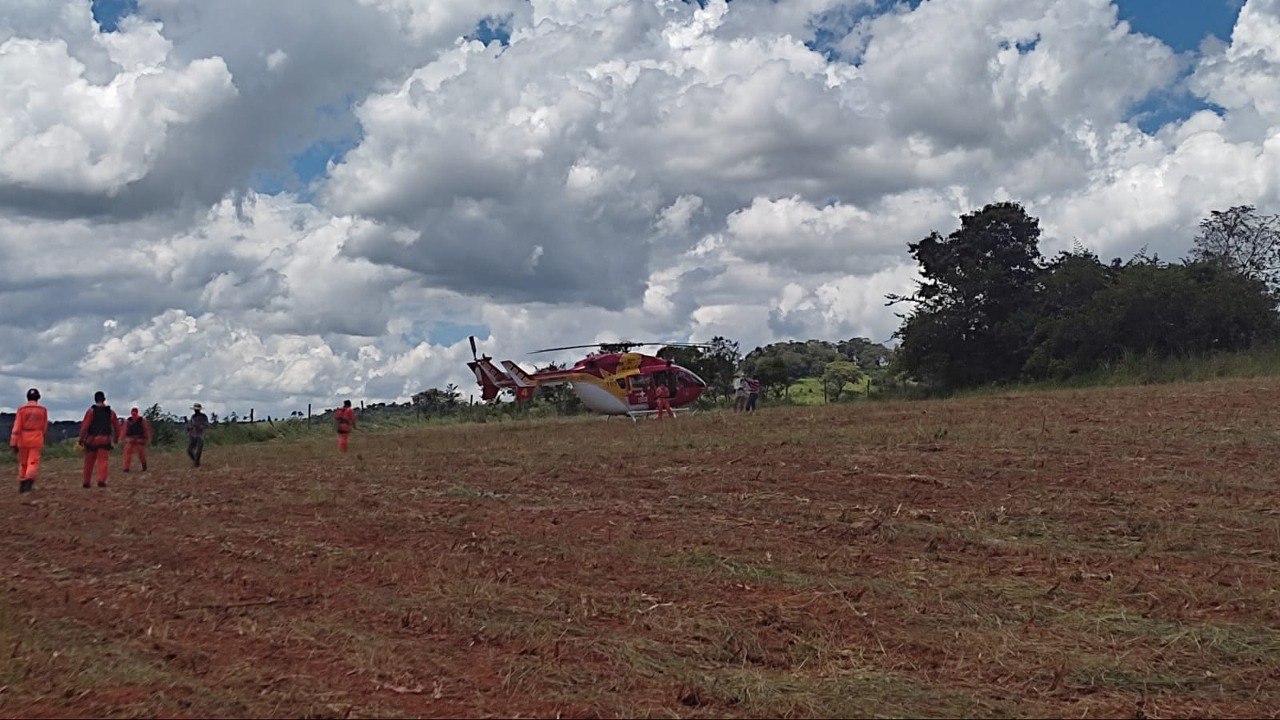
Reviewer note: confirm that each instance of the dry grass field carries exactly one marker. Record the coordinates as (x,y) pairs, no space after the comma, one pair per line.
(1076,553)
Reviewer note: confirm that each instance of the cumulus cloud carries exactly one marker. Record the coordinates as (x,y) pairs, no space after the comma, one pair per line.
(230,367)
(653,169)
(63,133)
(1240,77)
(601,116)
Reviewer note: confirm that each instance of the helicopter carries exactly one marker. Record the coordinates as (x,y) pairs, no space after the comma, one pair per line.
(611,381)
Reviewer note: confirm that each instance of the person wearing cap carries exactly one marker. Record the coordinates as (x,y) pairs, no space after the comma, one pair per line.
(196,425)
(137,436)
(27,439)
(344,420)
(99,430)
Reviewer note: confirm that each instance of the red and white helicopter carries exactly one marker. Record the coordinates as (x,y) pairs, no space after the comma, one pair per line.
(610,383)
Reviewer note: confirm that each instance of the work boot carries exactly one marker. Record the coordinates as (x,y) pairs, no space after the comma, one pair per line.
(26,485)
(86,484)
(102,483)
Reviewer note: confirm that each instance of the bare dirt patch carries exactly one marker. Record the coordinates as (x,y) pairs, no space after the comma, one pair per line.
(1100,552)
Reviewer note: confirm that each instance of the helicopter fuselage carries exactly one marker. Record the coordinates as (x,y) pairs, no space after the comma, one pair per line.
(606,383)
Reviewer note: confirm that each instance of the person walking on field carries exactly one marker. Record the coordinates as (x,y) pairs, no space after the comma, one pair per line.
(344,419)
(27,439)
(196,425)
(137,436)
(740,396)
(753,393)
(99,430)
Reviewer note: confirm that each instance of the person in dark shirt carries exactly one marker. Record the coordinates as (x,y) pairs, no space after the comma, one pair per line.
(196,425)
(99,431)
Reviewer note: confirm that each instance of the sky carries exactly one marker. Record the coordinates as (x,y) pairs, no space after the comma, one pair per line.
(264,205)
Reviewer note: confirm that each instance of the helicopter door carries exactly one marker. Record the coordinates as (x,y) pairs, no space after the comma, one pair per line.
(667,378)
(641,394)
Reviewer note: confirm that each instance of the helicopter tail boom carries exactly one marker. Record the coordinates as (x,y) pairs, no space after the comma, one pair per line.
(518,375)
(492,379)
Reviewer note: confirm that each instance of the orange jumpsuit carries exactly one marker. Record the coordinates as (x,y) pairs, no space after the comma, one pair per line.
(664,402)
(137,436)
(28,432)
(99,430)
(345,420)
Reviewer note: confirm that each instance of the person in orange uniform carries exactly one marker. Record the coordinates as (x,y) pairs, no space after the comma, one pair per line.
(27,439)
(344,419)
(99,430)
(137,436)
(664,401)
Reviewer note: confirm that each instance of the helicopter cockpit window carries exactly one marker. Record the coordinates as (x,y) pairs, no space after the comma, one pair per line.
(639,382)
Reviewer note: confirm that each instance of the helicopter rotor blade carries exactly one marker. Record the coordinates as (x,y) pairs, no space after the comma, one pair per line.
(472,338)
(567,347)
(620,343)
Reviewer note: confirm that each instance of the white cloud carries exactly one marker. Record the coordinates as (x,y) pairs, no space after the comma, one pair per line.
(794,233)
(230,367)
(1240,77)
(63,132)
(624,168)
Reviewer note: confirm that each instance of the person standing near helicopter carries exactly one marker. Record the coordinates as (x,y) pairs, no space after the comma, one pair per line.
(662,393)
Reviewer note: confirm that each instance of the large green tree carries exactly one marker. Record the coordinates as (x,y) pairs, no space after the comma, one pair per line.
(1091,314)
(973,310)
(1243,240)
(1067,340)
(802,358)
(836,376)
(867,355)
(773,375)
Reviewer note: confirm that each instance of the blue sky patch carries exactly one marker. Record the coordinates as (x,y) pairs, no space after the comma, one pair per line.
(311,163)
(493,29)
(1181,24)
(109,13)
(446,332)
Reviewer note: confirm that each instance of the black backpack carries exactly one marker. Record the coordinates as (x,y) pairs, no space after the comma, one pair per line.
(101,423)
(133,428)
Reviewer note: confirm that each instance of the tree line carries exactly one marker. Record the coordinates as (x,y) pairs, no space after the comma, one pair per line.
(990,309)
